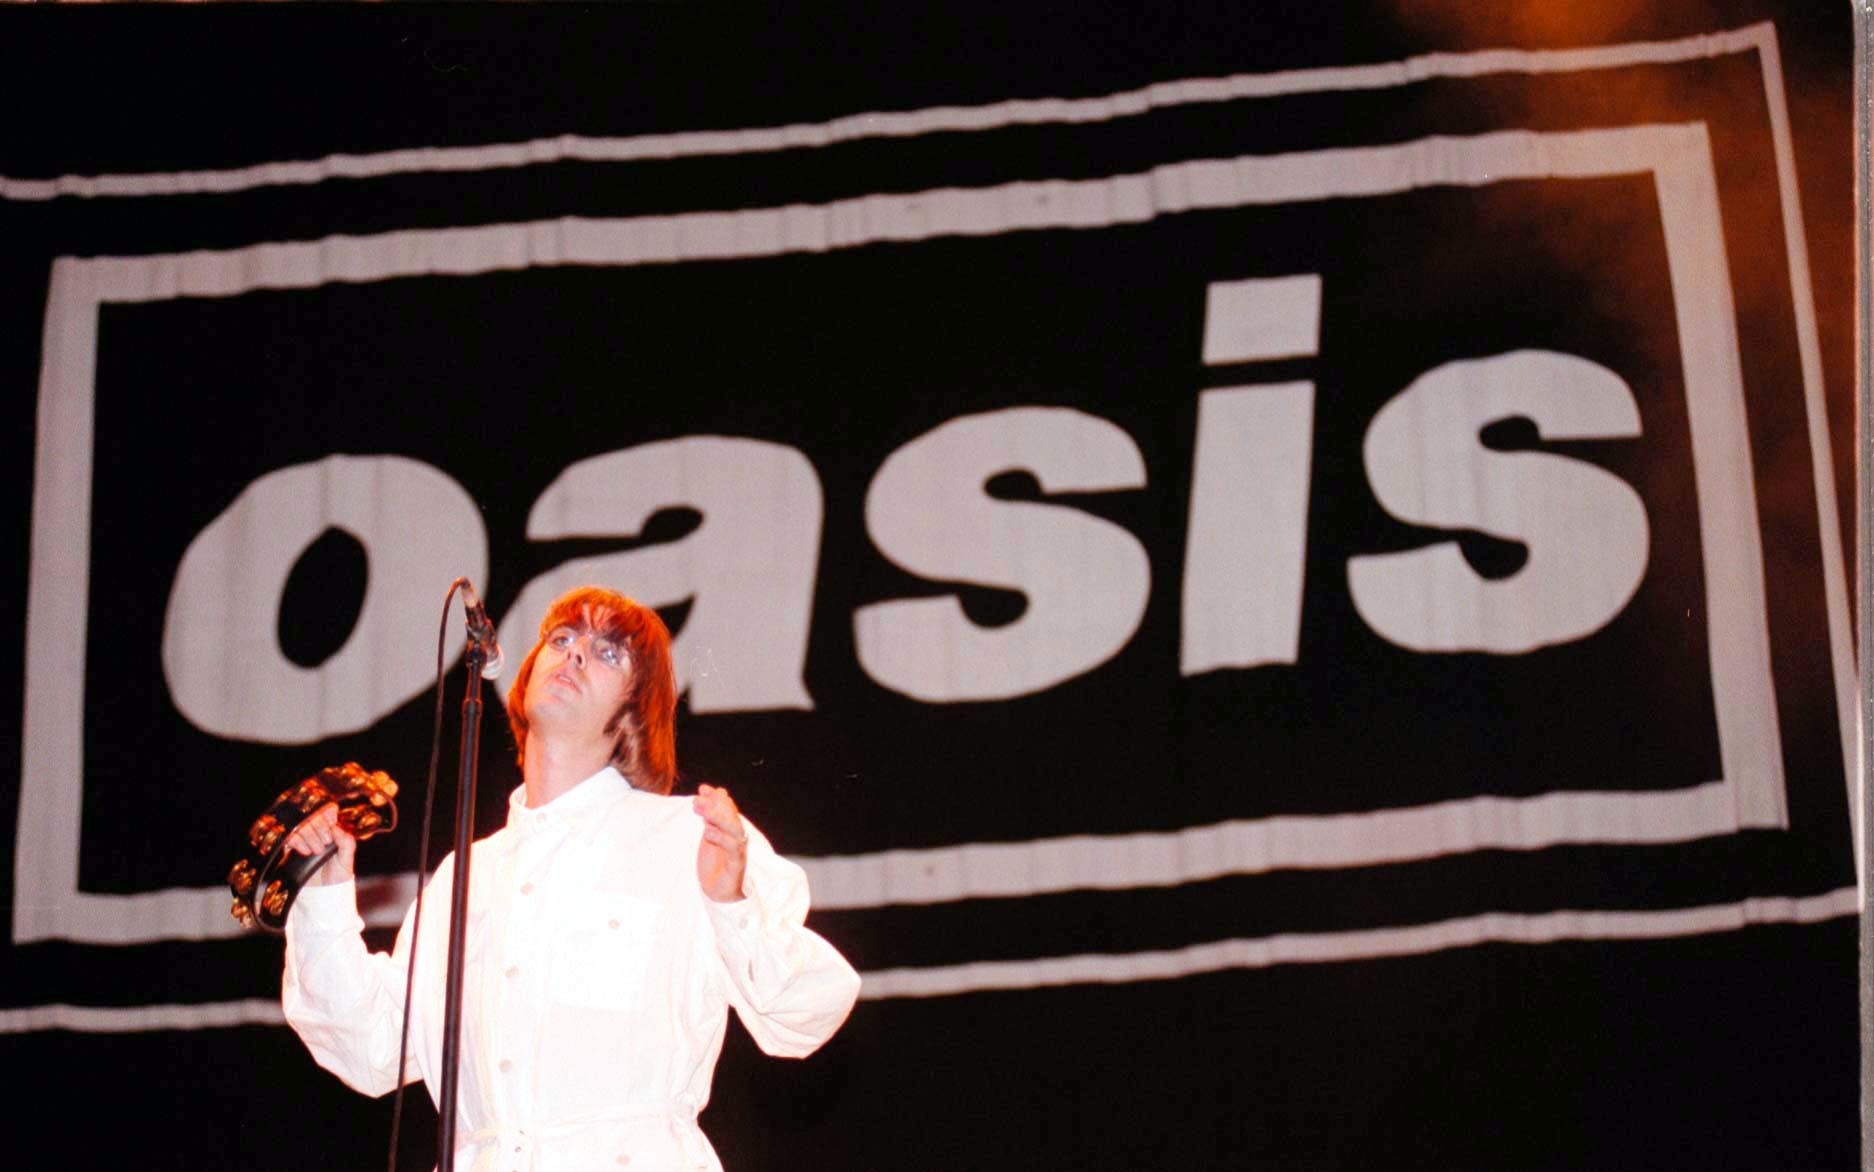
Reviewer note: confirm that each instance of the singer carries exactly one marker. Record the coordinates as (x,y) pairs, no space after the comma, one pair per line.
(611,928)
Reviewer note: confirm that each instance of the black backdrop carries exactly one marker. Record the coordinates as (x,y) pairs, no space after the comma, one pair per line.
(1563,987)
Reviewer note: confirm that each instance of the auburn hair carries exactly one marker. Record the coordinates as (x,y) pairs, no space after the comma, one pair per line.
(645,725)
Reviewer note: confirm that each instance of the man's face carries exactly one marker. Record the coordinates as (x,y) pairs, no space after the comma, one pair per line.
(578,682)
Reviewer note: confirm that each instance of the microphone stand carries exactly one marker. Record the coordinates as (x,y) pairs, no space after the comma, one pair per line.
(458,907)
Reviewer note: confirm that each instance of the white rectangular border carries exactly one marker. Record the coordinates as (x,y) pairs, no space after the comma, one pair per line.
(1109,969)
(1678,157)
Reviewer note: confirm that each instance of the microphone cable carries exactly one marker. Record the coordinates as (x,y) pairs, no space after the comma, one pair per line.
(422,874)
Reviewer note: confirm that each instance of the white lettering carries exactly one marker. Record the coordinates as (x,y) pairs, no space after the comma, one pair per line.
(749,566)
(1247,548)
(1585,529)
(221,651)
(1262,318)
(1086,579)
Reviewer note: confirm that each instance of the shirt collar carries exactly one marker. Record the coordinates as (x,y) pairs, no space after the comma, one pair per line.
(587,798)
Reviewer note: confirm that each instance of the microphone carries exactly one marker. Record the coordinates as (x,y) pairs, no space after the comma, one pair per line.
(481,632)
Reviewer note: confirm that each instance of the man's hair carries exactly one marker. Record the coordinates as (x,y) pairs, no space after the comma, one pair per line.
(645,725)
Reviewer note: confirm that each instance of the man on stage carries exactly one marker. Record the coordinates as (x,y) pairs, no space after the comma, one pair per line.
(610,929)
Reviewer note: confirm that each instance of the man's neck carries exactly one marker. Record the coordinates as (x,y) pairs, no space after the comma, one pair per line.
(549,768)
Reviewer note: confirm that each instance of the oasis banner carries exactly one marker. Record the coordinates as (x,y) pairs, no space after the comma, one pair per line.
(1283,578)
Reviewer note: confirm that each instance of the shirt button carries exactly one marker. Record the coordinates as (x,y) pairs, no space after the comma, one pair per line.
(507,1065)
(514,970)
(612,924)
(527,889)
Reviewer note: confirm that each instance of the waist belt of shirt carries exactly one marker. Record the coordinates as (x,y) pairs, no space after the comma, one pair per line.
(512,1146)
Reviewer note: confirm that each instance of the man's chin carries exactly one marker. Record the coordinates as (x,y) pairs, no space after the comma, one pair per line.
(547,713)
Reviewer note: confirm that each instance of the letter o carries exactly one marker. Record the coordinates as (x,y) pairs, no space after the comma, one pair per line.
(221,654)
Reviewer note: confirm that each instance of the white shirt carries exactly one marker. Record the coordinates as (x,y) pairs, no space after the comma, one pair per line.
(596,987)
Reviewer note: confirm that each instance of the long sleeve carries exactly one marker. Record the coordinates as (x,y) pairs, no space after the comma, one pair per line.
(344,1001)
(597,983)
(790,987)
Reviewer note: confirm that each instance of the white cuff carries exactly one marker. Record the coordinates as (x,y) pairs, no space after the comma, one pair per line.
(327,909)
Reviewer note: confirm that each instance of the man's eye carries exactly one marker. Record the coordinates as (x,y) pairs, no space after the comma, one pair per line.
(561,639)
(609,654)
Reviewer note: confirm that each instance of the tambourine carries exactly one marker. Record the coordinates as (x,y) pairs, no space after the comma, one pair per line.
(267,881)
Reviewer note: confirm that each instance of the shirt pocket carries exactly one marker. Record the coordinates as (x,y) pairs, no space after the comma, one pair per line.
(606,943)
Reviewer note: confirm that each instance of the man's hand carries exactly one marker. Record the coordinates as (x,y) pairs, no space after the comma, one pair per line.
(723,855)
(319,831)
